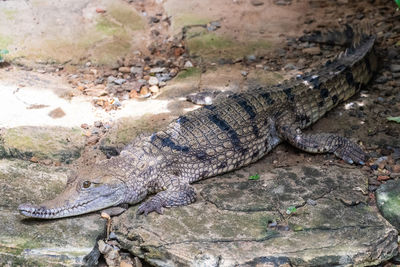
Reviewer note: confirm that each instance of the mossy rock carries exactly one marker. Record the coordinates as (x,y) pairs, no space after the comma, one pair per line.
(55,143)
(29,242)
(230,222)
(213,46)
(388,201)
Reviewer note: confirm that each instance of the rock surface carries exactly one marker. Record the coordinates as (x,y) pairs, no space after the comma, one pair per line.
(55,143)
(388,201)
(26,242)
(239,222)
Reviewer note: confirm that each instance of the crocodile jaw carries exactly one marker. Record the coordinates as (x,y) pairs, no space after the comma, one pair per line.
(74,202)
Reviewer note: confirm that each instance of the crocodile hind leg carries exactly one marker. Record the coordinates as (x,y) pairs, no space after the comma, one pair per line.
(323,143)
(180,195)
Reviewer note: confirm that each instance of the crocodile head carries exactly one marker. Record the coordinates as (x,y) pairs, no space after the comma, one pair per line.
(93,189)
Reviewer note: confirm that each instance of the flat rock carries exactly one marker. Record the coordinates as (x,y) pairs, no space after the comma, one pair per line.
(388,201)
(55,143)
(312,50)
(395,67)
(28,242)
(232,222)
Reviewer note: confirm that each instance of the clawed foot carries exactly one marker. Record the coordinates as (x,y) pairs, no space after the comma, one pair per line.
(149,206)
(351,153)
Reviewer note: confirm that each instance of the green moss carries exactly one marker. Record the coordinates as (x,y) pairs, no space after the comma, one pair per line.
(126,16)
(208,41)
(5,41)
(9,13)
(18,140)
(106,26)
(118,19)
(108,52)
(25,142)
(188,19)
(212,46)
(189,72)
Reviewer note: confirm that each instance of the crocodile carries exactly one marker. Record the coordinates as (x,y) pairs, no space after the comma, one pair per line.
(232,132)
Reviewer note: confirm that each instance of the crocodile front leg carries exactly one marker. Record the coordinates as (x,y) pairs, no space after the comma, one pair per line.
(323,143)
(180,195)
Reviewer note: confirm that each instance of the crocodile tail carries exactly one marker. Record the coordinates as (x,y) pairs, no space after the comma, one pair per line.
(346,35)
(339,78)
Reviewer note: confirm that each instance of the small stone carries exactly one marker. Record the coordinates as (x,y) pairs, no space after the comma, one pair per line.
(98,124)
(381,79)
(112,236)
(213,26)
(115,102)
(154,20)
(163,77)
(92,140)
(311,202)
(133,94)
(144,91)
(57,113)
(395,175)
(84,126)
(282,2)
(99,80)
(100,10)
(396,168)
(153,81)
(34,159)
(125,264)
(173,72)
(157,70)
(312,50)
(124,69)
(80,88)
(47,162)
(154,89)
(110,79)
(95,92)
(395,68)
(103,247)
(383,177)
(244,73)
(188,64)
(257,2)
(136,70)
(119,81)
(88,64)
(289,66)
(251,58)
(178,51)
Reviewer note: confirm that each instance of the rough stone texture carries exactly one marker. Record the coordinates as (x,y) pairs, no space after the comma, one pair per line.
(70,30)
(388,201)
(55,143)
(26,242)
(229,225)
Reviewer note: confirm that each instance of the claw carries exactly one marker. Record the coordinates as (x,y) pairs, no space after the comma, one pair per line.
(148,207)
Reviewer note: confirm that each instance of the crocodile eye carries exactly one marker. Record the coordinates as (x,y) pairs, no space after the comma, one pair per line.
(86,184)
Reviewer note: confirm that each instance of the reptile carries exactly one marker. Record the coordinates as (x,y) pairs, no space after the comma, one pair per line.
(232,132)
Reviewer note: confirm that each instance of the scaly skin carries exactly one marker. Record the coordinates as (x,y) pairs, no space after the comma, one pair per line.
(229,134)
